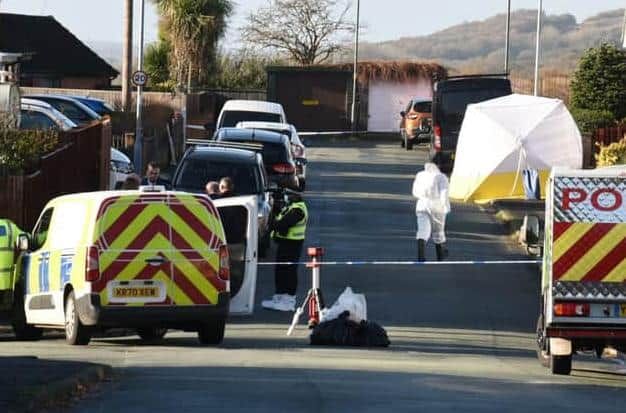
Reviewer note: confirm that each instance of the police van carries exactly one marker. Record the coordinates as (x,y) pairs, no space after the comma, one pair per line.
(147,259)
(583,302)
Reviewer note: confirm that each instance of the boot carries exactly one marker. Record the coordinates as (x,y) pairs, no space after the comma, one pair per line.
(421,250)
(442,251)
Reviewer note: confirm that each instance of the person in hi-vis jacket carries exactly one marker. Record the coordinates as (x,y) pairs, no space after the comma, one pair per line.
(431,190)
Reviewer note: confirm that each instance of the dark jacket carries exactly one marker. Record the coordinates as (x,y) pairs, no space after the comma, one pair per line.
(159,182)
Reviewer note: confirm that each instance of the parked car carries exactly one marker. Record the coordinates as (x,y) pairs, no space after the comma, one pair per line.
(36,114)
(276,151)
(235,111)
(450,99)
(416,122)
(298,150)
(121,168)
(99,106)
(76,111)
(201,164)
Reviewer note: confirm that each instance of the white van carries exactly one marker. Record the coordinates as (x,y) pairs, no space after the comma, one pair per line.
(235,111)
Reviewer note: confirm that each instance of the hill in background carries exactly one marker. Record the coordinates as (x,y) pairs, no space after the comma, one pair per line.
(478,47)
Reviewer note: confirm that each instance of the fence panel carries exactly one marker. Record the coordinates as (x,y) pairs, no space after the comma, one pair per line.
(81,164)
(606,136)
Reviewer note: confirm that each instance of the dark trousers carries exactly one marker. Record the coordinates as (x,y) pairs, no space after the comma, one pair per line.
(286,276)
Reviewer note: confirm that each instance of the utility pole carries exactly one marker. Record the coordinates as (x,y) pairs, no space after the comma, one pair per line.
(538,47)
(508,37)
(127,59)
(139,130)
(353,119)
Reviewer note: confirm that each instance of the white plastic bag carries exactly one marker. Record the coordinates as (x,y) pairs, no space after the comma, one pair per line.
(355,304)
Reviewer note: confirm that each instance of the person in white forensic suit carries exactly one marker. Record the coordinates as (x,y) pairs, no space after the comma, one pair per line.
(433,204)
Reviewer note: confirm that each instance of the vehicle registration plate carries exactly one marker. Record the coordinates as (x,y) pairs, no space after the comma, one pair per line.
(135,292)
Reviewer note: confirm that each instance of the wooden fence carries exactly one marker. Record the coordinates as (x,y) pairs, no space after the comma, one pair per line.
(606,136)
(80,164)
(550,85)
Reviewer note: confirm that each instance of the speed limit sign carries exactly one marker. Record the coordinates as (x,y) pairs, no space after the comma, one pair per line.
(140,78)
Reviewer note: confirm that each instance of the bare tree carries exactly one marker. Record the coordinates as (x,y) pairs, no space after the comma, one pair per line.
(308,31)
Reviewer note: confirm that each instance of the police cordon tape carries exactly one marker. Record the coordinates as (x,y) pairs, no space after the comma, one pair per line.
(472,262)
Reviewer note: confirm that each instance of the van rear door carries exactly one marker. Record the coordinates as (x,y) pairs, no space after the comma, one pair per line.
(239,218)
(158,249)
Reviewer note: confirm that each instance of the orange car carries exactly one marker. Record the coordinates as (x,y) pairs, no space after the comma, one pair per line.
(416,123)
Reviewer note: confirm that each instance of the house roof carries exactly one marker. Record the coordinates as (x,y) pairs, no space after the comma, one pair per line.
(398,71)
(55,50)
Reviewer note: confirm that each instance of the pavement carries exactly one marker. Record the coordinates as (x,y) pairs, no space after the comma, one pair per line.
(36,383)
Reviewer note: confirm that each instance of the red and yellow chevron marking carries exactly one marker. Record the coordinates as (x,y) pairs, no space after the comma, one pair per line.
(183,229)
(589,252)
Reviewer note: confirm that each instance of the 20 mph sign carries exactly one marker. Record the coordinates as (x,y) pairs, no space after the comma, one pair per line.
(140,78)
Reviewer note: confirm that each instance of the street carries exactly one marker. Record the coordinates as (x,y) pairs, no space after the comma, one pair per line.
(462,337)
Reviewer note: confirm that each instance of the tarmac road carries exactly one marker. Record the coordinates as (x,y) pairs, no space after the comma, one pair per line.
(462,337)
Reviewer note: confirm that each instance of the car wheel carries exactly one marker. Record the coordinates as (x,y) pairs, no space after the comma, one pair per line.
(21,329)
(212,333)
(76,333)
(151,334)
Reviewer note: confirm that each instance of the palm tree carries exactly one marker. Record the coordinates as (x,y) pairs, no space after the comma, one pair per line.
(193,28)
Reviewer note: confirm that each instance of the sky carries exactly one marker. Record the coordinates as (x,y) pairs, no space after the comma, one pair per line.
(101,20)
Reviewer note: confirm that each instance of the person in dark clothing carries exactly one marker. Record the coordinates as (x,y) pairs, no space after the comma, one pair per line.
(227,187)
(153,176)
(288,231)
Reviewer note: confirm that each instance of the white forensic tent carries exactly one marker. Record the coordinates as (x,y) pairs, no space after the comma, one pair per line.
(501,137)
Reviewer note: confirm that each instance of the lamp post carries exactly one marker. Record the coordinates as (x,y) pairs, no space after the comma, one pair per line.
(538,47)
(354,70)
(139,127)
(508,36)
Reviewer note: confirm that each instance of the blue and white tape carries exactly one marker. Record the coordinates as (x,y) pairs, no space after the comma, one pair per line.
(473,262)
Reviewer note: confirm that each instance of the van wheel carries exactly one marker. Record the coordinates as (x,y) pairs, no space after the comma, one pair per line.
(21,329)
(561,364)
(151,334)
(76,333)
(212,333)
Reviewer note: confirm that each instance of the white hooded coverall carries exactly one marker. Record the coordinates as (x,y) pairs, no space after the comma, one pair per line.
(431,190)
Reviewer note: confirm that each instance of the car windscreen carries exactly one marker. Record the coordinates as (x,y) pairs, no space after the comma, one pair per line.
(273,153)
(231,118)
(422,107)
(72,111)
(196,173)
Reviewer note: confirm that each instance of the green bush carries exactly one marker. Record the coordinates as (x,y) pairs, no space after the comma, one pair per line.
(20,150)
(599,82)
(589,120)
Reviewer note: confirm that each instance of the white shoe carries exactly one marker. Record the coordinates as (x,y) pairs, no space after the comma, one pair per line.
(280,302)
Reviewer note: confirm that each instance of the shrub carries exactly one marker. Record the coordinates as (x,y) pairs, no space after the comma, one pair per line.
(20,150)
(589,120)
(613,154)
(599,82)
